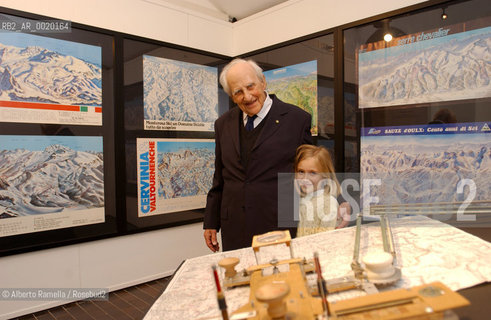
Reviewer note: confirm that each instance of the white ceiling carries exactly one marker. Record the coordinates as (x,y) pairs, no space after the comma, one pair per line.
(241,9)
(221,9)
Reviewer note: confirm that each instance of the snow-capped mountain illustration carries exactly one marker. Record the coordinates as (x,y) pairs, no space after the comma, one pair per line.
(52,180)
(188,172)
(36,74)
(454,70)
(427,174)
(178,91)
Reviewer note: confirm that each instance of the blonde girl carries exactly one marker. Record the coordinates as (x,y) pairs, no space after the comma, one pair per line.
(319,190)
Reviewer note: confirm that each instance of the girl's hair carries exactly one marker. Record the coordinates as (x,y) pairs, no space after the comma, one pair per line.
(323,158)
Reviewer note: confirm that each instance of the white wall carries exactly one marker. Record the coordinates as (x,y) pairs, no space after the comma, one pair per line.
(143,18)
(112,263)
(165,21)
(297,18)
(123,261)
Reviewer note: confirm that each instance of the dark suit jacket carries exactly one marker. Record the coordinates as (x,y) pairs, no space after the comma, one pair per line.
(243,204)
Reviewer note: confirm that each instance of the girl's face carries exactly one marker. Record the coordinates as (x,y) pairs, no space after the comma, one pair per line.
(308,175)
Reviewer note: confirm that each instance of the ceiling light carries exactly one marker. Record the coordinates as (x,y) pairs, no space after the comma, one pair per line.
(444,15)
(387,37)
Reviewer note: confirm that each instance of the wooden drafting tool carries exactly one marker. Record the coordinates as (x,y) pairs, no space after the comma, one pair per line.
(429,301)
(234,278)
(287,295)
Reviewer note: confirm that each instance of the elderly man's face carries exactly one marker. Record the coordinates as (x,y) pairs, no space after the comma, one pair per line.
(246,89)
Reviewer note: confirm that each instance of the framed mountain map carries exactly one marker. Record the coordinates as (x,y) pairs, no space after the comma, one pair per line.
(48,80)
(57,180)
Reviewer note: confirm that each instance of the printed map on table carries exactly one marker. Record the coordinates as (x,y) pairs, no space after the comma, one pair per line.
(427,251)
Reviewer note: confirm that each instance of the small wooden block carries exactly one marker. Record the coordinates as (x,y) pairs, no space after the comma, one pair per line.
(274,294)
(229,265)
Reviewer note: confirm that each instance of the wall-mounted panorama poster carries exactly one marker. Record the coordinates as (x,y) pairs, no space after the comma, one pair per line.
(325,110)
(427,164)
(50,182)
(296,84)
(179,96)
(448,63)
(173,174)
(47,80)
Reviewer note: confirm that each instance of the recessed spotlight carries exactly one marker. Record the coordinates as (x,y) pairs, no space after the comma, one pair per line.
(387,37)
(444,15)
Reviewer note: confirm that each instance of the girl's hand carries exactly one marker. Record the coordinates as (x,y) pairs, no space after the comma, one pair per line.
(344,215)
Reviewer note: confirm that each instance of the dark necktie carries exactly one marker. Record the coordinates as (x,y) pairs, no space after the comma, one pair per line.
(250,122)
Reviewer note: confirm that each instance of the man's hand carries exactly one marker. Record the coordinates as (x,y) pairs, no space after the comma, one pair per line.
(211,239)
(344,214)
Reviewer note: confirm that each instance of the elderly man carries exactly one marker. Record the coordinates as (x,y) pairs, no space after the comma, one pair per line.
(254,142)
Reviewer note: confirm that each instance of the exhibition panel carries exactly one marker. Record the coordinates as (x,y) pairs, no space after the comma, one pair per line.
(423,92)
(57,134)
(171,101)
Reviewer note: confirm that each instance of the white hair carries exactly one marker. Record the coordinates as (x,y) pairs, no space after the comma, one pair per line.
(223,74)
